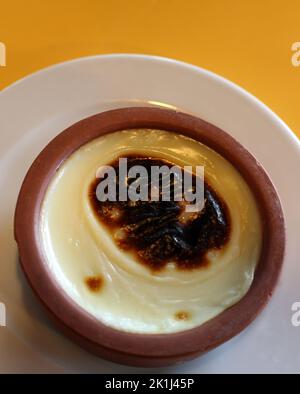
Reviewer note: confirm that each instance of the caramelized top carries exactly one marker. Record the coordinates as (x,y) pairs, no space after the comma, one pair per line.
(94,283)
(162,232)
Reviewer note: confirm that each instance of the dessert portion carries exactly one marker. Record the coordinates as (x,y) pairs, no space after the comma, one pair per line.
(150,267)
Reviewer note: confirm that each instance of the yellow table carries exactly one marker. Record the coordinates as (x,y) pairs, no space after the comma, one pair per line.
(248,42)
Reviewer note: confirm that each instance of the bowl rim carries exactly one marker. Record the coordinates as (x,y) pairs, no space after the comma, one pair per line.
(85,328)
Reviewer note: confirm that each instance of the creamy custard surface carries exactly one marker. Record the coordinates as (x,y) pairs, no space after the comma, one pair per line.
(112,284)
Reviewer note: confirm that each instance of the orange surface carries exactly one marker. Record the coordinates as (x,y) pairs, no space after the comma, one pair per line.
(248,42)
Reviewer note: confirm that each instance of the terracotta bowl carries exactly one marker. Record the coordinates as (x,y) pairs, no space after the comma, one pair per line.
(146,349)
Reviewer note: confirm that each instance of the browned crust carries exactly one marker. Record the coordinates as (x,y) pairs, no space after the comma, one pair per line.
(146,349)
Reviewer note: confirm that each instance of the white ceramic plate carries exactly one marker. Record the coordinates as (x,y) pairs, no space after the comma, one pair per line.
(35,109)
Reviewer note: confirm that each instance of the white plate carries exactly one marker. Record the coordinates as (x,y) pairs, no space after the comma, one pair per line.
(35,109)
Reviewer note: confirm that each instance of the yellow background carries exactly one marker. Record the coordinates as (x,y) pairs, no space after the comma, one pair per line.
(248,42)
